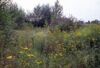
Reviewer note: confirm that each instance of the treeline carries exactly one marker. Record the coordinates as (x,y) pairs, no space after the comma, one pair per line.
(42,15)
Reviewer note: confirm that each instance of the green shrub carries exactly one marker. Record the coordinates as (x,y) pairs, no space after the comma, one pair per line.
(42,48)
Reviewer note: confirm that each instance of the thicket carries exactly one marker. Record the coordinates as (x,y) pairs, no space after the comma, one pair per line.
(42,48)
(60,43)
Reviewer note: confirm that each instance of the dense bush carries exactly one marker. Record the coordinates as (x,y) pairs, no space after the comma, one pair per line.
(42,48)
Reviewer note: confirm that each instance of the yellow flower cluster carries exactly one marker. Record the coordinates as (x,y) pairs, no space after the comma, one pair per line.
(25,48)
(30,55)
(39,62)
(60,54)
(21,52)
(78,33)
(9,57)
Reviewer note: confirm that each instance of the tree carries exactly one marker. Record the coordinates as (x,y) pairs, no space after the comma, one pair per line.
(46,11)
(3,6)
(57,10)
(40,16)
(37,12)
(56,13)
(17,15)
(95,22)
(6,44)
(3,3)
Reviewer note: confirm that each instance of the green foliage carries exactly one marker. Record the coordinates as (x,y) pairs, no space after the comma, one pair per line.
(63,46)
(6,37)
(57,10)
(42,48)
(17,15)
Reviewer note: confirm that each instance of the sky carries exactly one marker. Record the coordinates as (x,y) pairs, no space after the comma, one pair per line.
(81,9)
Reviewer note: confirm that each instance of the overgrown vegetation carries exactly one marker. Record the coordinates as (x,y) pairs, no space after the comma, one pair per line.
(46,39)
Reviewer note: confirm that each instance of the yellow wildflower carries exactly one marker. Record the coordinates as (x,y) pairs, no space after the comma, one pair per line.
(56,54)
(39,62)
(60,54)
(9,57)
(78,33)
(30,55)
(21,52)
(25,48)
